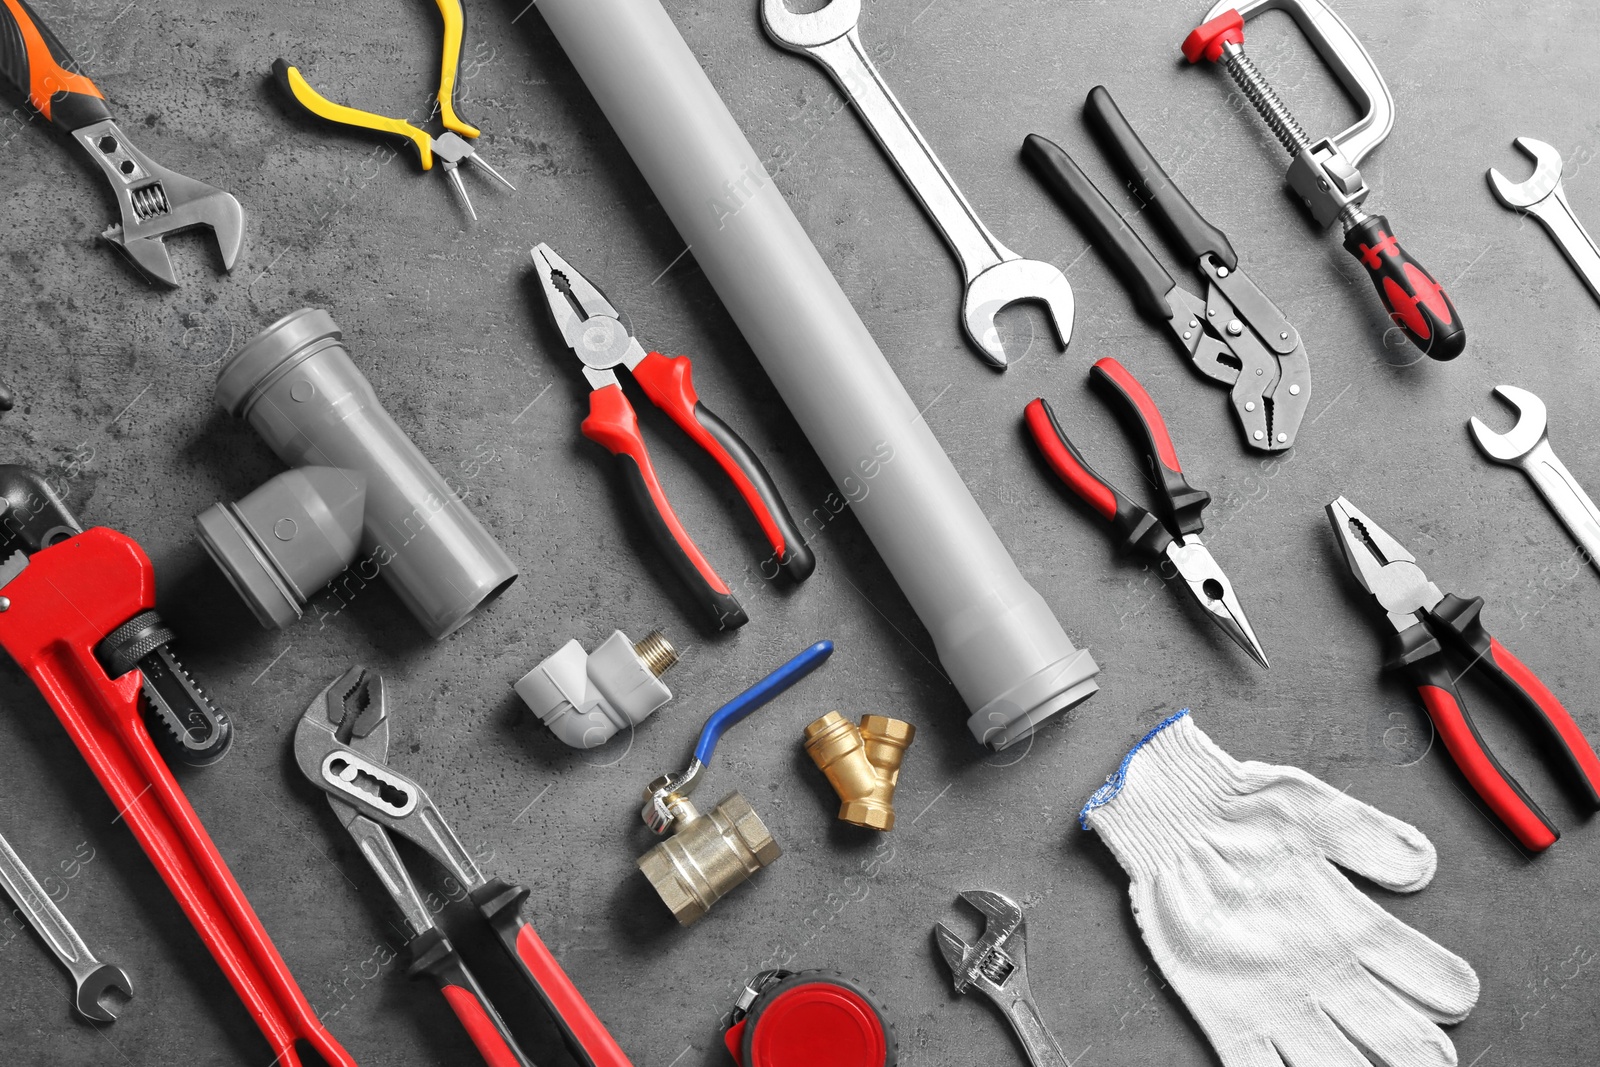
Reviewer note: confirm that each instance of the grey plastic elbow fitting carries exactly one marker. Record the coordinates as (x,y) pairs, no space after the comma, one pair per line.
(586,698)
(358,485)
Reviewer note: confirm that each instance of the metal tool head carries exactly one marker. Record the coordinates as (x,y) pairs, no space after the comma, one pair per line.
(106,982)
(1004,933)
(798,30)
(1382,565)
(1523,438)
(1011,282)
(587,320)
(1546,177)
(156,202)
(351,712)
(1345,56)
(1213,591)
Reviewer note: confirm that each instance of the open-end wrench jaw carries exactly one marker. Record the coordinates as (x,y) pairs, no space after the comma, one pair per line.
(1011,282)
(102,993)
(799,30)
(1524,437)
(1546,177)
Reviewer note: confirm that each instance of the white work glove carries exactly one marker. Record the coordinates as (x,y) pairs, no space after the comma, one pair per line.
(1278,956)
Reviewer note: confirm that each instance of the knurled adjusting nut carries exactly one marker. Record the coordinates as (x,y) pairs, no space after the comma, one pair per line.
(1207,40)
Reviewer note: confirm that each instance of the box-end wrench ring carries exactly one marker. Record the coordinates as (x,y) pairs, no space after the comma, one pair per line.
(995,277)
(94,980)
(1527,446)
(1543,197)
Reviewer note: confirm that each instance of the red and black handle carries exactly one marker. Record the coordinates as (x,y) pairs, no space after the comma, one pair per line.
(1183,501)
(1416,303)
(37,66)
(586,1037)
(613,424)
(1459,618)
(1138,531)
(668,382)
(1421,655)
(433,956)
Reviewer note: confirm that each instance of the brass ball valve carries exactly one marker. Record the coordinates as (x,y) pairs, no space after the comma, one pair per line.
(710,853)
(862,764)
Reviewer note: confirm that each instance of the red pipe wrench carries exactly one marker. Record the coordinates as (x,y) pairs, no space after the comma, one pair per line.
(61,594)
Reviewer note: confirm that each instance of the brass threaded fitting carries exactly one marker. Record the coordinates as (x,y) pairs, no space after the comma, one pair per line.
(862,764)
(707,855)
(656,652)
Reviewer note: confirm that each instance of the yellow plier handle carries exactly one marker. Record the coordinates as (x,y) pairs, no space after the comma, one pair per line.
(295,84)
(455,24)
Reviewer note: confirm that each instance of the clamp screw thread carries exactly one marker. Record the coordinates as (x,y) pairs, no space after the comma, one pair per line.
(1260,92)
(656,652)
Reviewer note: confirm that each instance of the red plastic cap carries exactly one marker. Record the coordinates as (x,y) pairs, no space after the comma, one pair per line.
(818,1025)
(1207,40)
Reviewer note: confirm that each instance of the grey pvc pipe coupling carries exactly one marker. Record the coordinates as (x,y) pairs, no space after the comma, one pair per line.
(358,486)
(1003,648)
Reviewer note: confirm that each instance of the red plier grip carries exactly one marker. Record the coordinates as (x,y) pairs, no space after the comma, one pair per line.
(586,1037)
(433,955)
(613,425)
(668,382)
(67,599)
(1132,403)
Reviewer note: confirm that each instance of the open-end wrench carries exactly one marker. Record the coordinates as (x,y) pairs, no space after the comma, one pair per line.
(998,966)
(1543,197)
(95,980)
(996,277)
(1528,446)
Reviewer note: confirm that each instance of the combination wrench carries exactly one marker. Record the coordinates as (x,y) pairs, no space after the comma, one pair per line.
(1527,446)
(995,276)
(94,979)
(1543,197)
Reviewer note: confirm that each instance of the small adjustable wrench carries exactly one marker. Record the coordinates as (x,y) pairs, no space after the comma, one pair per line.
(1527,445)
(996,277)
(1543,197)
(998,966)
(93,979)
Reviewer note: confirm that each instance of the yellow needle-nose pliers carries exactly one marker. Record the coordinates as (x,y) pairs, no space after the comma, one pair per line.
(451,148)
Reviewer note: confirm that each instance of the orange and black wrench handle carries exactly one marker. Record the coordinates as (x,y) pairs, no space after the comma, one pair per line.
(58,608)
(37,66)
(1458,618)
(613,424)
(1136,529)
(586,1037)
(668,382)
(1416,303)
(433,956)
(1421,656)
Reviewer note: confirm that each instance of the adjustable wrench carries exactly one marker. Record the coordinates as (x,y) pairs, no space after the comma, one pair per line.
(998,966)
(996,277)
(1528,446)
(93,979)
(1543,197)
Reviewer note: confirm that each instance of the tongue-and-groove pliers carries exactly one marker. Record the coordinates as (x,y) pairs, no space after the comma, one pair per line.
(592,329)
(1427,622)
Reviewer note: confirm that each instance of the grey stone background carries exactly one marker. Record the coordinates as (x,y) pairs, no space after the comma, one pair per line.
(115,380)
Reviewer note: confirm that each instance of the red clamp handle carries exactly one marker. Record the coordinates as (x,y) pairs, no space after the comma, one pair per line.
(1416,303)
(1206,41)
(67,599)
(613,424)
(44,72)
(668,382)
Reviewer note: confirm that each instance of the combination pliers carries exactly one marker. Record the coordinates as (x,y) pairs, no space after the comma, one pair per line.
(590,326)
(1236,335)
(1427,623)
(451,148)
(340,744)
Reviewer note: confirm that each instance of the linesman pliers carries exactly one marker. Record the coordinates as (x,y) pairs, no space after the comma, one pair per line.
(1173,537)
(1426,622)
(340,744)
(1236,335)
(450,147)
(590,326)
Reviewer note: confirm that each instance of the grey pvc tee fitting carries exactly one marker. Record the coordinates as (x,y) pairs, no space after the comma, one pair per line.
(1001,645)
(358,485)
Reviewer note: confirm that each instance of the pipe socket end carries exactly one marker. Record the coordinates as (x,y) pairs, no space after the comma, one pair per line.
(862,763)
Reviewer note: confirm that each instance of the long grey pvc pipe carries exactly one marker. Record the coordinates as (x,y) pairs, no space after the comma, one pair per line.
(1001,645)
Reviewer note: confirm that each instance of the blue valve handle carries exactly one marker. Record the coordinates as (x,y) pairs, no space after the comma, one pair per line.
(751,699)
